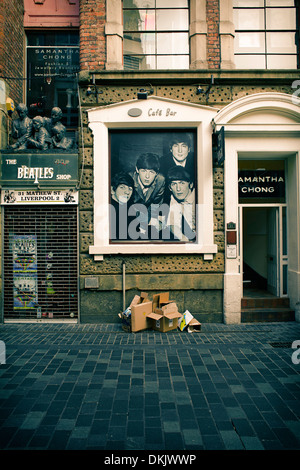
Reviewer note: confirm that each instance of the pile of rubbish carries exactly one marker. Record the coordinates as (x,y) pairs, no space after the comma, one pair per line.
(160,314)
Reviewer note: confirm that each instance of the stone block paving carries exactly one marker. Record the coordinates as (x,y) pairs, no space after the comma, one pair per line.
(72,386)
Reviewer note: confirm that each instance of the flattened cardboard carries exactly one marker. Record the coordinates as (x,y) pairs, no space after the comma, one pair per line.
(188,321)
(161,299)
(139,319)
(164,297)
(135,301)
(144,297)
(155,301)
(169,308)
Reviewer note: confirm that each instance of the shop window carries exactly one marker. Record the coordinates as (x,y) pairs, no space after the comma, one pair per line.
(52,65)
(156,36)
(266,34)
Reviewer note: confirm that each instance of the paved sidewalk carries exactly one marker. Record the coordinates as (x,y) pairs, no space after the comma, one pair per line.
(69,386)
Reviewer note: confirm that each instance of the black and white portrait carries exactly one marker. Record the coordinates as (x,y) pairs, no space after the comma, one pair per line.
(153,186)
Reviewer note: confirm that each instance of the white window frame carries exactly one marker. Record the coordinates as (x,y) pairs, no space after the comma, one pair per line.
(197,33)
(267,54)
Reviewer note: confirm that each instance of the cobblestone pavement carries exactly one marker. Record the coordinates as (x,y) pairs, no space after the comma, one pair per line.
(228,387)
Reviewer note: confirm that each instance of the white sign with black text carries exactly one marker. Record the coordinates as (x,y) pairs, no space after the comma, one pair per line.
(17,197)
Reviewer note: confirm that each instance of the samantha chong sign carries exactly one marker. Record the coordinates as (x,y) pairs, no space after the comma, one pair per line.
(261,184)
(39,170)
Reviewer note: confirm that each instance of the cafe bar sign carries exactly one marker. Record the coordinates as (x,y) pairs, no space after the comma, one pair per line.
(39,170)
(262,184)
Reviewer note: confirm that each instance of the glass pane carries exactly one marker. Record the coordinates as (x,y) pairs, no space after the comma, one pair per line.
(138,4)
(282,61)
(53,39)
(249,42)
(280,3)
(139,43)
(248,3)
(172,43)
(248,19)
(281,18)
(139,62)
(172,20)
(171,3)
(131,63)
(282,43)
(173,62)
(139,20)
(250,62)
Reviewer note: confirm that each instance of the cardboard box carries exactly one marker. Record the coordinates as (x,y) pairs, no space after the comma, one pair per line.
(135,301)
(133,318)
(188,321)
(164,322)
(165,318)
(139,318)
(168,308)
(161,299)
(161,314)
(194,326)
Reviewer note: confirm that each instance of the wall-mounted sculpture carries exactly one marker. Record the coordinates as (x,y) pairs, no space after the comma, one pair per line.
(21,128)
(40,133)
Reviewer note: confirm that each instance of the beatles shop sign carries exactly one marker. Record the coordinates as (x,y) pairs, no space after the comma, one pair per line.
(39,170)
(261,184)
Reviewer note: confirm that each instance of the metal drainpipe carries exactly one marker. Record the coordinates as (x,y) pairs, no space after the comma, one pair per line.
(124,289)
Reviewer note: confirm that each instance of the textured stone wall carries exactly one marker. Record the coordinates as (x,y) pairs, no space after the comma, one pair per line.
(219,96)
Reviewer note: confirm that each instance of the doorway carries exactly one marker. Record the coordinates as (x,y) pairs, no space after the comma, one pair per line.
(263,250)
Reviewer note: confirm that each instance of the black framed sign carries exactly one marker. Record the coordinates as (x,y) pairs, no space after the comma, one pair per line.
(39,169)
(219,147)
(262,184)
(153,185)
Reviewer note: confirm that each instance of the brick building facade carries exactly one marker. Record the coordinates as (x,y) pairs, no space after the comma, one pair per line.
(258,110)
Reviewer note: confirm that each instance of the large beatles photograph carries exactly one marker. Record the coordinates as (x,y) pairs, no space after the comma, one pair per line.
(153,186)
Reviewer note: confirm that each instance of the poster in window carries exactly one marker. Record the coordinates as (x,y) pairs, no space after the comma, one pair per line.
(24,251)
(153,186)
